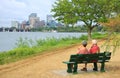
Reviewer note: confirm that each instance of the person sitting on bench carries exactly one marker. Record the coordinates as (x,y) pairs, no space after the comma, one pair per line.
(93,50)
(83,50)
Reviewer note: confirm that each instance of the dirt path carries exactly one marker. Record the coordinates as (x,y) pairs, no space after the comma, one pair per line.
(50,65)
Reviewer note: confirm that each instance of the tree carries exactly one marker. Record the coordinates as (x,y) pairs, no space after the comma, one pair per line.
(113,39)
(64,12)
(113,24)
(91,12)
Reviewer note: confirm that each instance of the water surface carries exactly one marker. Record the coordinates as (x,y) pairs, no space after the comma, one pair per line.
(8,39)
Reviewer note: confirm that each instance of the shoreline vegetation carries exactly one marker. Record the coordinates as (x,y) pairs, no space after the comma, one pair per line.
(27,48)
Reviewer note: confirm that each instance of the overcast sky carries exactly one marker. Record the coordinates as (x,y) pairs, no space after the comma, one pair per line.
(19,10)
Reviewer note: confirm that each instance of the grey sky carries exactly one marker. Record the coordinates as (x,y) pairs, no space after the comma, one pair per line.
(19,10)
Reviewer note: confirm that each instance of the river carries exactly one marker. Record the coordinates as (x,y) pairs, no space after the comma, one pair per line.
(8,39)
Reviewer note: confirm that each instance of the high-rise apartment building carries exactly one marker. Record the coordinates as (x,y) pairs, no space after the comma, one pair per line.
(33,15)
(33,20)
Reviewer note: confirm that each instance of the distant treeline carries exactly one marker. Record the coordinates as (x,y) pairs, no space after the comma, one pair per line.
(65,29)
(49,29)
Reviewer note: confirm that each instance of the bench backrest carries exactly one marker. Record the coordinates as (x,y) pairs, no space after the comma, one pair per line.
(82,58)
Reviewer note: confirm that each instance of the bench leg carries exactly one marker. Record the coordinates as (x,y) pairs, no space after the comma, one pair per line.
(69,68)
(75,68)
(95,66)
(102,67)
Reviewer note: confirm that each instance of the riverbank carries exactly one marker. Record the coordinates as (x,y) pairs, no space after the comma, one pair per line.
(24,50)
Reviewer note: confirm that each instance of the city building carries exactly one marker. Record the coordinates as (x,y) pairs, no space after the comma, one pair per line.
(33,15)
(25,25)
(15,24)
(49,18)
(34,21)
(50,21)
(39,24)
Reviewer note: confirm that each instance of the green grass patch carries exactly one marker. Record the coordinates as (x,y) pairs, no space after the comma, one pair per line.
(26,47)
(99,35)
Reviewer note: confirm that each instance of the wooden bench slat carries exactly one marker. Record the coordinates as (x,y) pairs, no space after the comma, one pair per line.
(67,62)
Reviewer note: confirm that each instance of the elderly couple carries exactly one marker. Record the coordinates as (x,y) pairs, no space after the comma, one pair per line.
(83,50)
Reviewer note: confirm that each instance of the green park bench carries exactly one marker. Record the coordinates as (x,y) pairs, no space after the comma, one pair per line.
(76,59)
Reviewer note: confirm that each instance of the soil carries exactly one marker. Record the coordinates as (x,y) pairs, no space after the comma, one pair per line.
(49,65)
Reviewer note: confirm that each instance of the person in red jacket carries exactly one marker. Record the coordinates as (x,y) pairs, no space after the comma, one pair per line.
(93,50)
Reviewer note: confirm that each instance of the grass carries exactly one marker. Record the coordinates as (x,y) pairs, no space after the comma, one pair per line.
(99,35)
(26,48)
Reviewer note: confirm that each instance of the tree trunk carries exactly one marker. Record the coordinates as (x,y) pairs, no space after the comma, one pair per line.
(89,33)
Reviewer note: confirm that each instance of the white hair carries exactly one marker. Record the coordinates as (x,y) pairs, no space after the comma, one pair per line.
(94,41)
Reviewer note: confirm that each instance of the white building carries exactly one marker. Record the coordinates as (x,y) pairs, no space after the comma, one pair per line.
(15,24)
